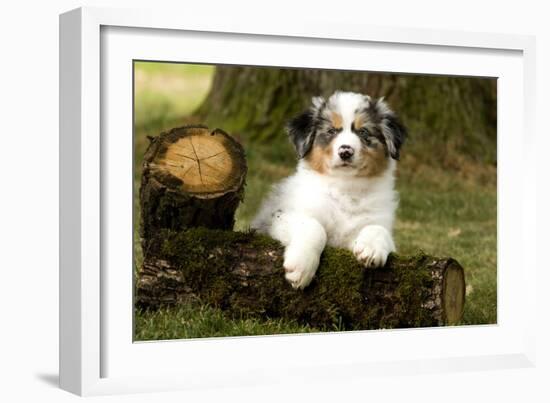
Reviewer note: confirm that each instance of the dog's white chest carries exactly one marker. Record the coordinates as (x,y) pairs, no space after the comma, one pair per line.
(347,215)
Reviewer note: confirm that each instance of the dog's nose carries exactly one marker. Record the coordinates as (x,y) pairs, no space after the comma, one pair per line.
(345,152)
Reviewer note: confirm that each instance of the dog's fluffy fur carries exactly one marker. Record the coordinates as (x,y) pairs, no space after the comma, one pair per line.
(342,193)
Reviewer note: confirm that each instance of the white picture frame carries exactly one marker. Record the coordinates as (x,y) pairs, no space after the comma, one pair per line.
(96,354)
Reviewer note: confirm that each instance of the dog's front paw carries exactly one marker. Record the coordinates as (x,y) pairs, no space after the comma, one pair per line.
(300,266)
(373,245)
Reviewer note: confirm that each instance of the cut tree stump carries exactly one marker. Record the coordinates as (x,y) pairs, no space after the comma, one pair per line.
(191,177)
(193,181)
(242,274)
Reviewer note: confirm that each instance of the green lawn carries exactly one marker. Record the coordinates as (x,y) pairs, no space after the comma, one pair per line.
(445,213)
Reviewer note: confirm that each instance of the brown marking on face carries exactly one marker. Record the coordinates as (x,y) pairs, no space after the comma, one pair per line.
(319,157)
(336,120)
(375,161)
(359,121)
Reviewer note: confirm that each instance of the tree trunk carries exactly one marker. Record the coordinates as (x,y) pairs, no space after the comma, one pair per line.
(242,274)
(191,177)
(448,114)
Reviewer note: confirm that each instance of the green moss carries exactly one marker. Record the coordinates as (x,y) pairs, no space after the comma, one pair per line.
(339,280)
(206,261)
(198,240)
(413,286)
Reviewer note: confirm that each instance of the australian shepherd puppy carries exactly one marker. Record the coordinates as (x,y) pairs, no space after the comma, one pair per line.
(342,193)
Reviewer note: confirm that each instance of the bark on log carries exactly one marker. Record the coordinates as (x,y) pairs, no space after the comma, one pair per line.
(242,274)
(191,177)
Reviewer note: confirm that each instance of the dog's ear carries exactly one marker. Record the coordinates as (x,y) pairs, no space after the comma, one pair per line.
(301,133)
(301,129)
(392,128)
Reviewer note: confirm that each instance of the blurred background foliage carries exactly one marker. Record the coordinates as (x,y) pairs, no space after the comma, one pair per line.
(446,179)
(452,117)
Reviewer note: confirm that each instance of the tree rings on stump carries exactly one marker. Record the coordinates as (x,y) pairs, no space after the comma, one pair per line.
(207,164)
(192,177)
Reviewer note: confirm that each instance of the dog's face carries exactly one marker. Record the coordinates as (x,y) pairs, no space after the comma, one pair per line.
(347,135)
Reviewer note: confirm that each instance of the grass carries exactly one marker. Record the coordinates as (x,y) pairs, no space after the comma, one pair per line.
(194,321)
(443,212)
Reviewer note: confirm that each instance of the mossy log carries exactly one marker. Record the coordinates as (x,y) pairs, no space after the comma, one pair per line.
(191,177)
(242,274)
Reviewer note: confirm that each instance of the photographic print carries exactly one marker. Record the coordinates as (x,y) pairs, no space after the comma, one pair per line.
(274,200)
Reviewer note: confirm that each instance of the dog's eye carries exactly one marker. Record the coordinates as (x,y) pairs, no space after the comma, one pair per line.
(332,131)
(367,137)
(368,141)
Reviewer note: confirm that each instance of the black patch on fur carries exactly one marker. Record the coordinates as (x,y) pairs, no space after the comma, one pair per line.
(399,134)
(301,131)
(372,112)
(387,121)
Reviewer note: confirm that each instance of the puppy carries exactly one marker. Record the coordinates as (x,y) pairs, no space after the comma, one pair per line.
(342,193)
